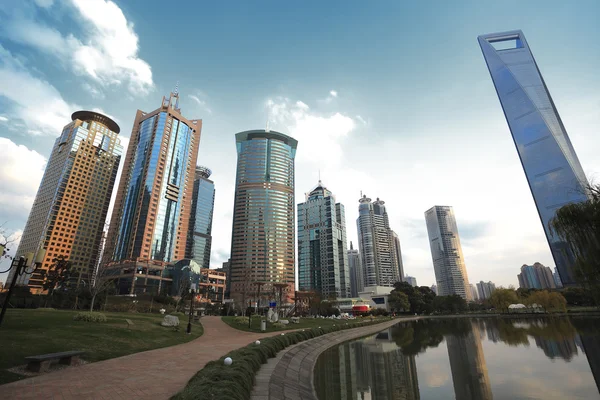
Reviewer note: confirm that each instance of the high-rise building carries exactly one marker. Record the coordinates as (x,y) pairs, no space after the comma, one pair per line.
(434,289)
(68,214)
(551,166)
(485,289)
(199,234)
(356,272)
(536,276)
(398,254)
(376,243)
(322,253)
(410,280)
(556,277)
(446,252)
(263,235)
(474,294)
(150,219)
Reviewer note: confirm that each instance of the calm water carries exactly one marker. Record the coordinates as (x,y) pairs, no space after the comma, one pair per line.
(547,358)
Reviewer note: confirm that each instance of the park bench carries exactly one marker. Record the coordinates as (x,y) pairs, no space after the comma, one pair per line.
(129,323)
(42,362)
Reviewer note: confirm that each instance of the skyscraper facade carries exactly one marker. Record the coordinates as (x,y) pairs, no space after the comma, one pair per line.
(474,293)
(411,280)
(556,277)
(150,219)
(398,254)
(356,272)
(376,243)
(536,276)
(485,289)
(263,234)
(446,252)
(551,166)
(322,253)
(199,239)
(68,214)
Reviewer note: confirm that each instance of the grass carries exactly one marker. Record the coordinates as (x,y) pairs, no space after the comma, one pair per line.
(32,332)
(305,323)
(235,382)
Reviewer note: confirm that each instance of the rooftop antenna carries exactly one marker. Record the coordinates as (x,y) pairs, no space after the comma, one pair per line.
(176,88)
(268,118)
(319,175)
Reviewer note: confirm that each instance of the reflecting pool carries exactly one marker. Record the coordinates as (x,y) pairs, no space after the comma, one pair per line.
(478,359)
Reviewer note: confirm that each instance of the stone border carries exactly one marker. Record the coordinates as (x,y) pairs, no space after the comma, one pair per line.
(290,375)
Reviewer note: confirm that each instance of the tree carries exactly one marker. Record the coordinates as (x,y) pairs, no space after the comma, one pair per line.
(502,298)
(6,239)
(549,301)
(450,304)
(98,282)
(398,301)
(420,298)
(57,276)
(578,224)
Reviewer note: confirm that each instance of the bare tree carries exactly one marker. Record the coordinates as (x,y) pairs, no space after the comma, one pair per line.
(7,237)
(99,281)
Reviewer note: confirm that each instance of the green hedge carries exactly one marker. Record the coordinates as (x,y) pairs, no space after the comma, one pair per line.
(219,381)
(89,317)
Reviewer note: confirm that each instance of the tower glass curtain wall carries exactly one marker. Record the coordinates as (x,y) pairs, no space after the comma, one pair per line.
(199,235)
(551,166)
(263,234)
(376,243)
(322,253)
(68,214)
(356,272)
(150,220)
(446,252)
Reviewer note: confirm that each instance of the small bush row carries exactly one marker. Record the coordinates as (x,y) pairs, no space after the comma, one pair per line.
(89,317)
(235,382)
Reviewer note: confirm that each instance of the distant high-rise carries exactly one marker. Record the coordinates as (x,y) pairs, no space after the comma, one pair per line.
(556,277)
(398,254)
(150,220)
(263,235)
(322,254)
(474,294)
(536,276)
(485,289)
(356,272)
(411,280)
(68,214)
(199,239)
(434,289)
(551,166)
(446,252)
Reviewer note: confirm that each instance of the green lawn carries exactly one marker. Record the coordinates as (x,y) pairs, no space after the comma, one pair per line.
(32,332)
(305,323)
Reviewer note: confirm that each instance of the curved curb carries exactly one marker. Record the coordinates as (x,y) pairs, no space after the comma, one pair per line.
(289,376)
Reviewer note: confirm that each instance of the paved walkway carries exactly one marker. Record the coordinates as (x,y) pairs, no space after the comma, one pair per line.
(289,376)
(154,374)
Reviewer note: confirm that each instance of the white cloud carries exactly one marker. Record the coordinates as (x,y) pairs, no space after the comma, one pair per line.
(3,119)
(333,93)
(107,52)
(34,100)
(361,119)
(92,91)
(198,99)
(22,171)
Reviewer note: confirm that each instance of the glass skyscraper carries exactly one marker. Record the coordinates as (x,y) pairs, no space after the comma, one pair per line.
(263,233)
(199,234)
(377,245)
(446,252)
(150,220)
(322,253)
(551,166)
(68,214)
(356,272)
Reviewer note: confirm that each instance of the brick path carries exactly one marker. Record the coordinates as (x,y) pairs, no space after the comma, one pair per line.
(154,374)
(289,376)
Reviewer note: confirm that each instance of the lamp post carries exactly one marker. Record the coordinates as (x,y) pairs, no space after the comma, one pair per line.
(189,327)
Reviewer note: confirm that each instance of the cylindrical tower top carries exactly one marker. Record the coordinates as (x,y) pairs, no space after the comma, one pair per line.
(203,171)
(84,115)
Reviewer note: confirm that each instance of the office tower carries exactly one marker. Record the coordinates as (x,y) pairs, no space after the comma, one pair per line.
(376,244)
(411,280)
(150,219)
(199,234)
(398,254)
(356,272)
(322,254)
(434,289)
(485,289)
(467,363)
(446,252)
(536,276)
(551,166)
(474,294)
(262,242)
(68,214)
(556,277)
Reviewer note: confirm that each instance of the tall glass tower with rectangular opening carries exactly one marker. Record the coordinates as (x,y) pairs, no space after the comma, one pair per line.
(551,166)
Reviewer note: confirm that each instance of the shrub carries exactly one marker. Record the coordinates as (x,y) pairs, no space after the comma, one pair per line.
(89,317)
(241,320)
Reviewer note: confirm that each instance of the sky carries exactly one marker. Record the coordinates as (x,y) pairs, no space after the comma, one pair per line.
(389,98)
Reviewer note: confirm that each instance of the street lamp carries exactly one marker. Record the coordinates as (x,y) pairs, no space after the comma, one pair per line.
(189,327)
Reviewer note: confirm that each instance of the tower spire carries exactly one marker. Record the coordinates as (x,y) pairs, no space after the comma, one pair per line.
(176,88)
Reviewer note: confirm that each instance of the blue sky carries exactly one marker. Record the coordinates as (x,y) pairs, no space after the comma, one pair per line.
(391,98)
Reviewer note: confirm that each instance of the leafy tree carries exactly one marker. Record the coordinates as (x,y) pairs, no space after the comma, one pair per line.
(420,298)
(450,304)
(550,301)
(502,298)
(398,301)
(577,296)
(579,225)
(57,276)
